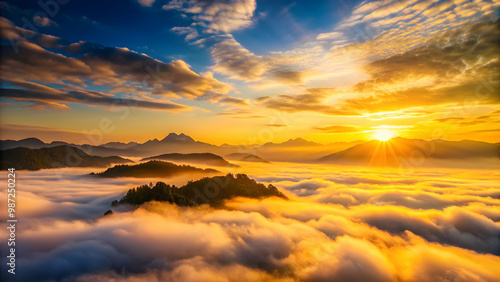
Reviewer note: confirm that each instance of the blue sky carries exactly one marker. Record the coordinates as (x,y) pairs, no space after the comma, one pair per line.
(281,25)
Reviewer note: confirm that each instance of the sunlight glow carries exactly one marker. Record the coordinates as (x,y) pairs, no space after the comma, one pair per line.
(383,134)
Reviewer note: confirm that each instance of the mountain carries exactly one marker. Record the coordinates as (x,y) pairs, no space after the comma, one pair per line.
(416,152)
(119,145)
(298,142)
(195,193)
(53,157)
(294,150)
(172,137)
(153,169)
(161,192)
(194,158)
(32,143)
(299,150)
(173,143)
(246,158)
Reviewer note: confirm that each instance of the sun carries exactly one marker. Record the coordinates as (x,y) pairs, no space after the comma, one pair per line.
(383,134)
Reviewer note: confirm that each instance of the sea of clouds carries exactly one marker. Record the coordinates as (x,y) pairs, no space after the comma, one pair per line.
(340,224)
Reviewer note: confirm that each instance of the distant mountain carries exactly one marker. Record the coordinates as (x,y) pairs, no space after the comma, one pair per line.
(294,150)
(119,145)
(299,150)
(32,143)
(298,142)
(53,157)
(153,169)
(172,137)
(194,193)
(173,143)
(194,158)
(399,151)
(246,158)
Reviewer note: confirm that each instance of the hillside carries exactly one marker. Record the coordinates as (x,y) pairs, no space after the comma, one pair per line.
(246,158)
(153,169)
(53,157)
(194,158)
(195,193)
(400,150)
(32,143)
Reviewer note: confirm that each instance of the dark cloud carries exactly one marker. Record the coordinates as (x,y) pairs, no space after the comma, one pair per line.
(38,95)
(119,69)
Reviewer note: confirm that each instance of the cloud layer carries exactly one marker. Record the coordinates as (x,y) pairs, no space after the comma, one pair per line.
(355,225)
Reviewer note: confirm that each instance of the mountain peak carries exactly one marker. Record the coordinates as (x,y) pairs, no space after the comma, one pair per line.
(173,137)
(299,142)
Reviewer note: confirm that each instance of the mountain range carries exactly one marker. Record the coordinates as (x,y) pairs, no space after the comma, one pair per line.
(392,153)
(53,157)
(194,158)
(415,152)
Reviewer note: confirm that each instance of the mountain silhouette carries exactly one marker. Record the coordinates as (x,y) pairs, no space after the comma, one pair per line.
(32,143)
(153,169)
(173,137)
(119,145)
(399,150)
(173,143)
(246,158)
(194,158)
(53,157)
(293,150)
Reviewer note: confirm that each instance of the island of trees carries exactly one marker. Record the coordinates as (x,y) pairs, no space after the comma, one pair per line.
(209,190)
(153,169)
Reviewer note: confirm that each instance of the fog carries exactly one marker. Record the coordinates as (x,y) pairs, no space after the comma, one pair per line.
(340,224)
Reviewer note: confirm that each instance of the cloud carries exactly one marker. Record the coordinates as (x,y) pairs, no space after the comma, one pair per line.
(444,71)
(121,70)
(217,16)
(190,32)
(146,3)
(44,21)
(311,101)
(337,129)
(329,36)
(37,95)
(234,101)
(237,62)
(371,236)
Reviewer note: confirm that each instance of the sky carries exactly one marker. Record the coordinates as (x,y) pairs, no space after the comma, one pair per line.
(246,71)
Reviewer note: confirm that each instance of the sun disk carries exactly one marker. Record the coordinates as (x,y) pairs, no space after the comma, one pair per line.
(384,134)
